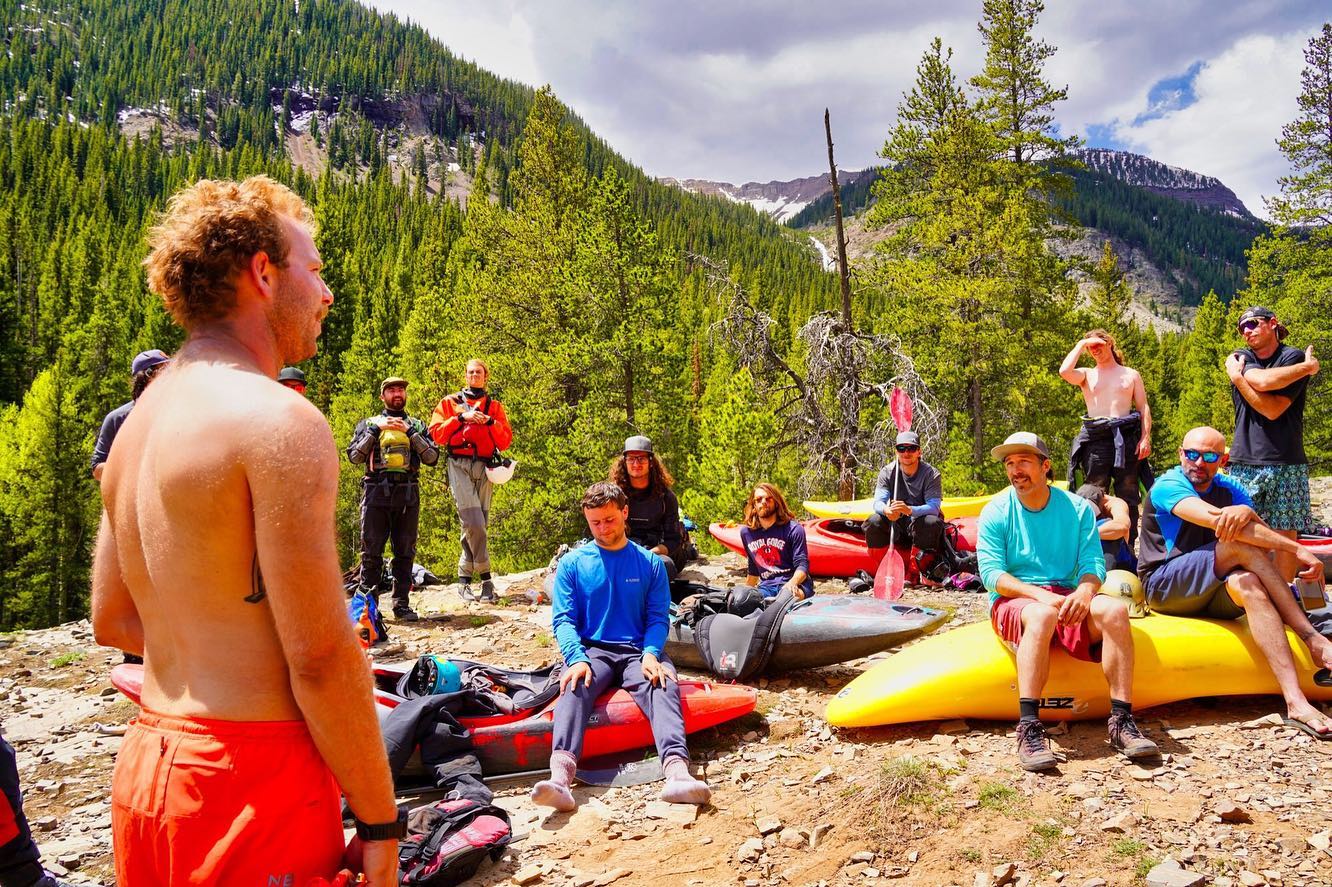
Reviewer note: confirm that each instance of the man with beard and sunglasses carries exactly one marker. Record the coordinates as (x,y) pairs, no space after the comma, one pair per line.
(1205,552)
(775,547)
(1040,558)
(907,510)
(1116,435)
(1268,383)
(392,446)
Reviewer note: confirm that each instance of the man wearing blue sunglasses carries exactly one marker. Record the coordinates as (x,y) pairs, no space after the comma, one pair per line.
(1268,382)
(1204,552)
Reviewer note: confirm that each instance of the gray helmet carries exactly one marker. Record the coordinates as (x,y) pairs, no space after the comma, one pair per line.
(638,443)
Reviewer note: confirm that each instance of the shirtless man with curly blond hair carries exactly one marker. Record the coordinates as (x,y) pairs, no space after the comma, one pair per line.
(216,562)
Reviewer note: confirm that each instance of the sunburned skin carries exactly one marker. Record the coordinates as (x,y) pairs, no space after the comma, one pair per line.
(1109,391)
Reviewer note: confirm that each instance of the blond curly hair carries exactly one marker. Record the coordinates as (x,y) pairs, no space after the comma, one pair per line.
(210,231)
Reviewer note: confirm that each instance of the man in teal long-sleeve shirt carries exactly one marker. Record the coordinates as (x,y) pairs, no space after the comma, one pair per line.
(1041,559)
(610,614)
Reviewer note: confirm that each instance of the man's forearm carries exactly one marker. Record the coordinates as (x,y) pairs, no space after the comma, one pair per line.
(1008,585)
(1259,534)
(335,697)
(1273,378)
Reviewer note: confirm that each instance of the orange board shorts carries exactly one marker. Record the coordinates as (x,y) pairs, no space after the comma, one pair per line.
(225,803)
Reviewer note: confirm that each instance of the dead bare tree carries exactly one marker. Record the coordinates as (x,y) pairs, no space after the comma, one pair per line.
(820,407)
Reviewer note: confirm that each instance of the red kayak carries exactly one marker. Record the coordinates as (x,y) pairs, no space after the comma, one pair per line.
(520,742)
(1321,546)
(837,546)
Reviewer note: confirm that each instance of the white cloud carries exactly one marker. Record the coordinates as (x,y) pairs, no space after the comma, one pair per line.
(1244,96)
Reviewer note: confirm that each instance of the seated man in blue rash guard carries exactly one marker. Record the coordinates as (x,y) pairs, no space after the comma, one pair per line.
(610,615)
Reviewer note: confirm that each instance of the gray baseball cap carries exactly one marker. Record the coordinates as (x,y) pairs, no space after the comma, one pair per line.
(907,438)
(638,444)
(1021,442)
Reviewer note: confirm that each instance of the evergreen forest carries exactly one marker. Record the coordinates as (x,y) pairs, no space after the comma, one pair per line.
(606,303)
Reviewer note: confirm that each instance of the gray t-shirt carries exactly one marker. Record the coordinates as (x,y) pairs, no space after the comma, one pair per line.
(914,489)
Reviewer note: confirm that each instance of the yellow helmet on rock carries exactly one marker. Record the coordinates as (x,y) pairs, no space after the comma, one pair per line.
(1125,585)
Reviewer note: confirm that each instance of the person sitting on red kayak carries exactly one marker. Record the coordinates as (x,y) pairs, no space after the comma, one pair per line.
(610,616)
(1041,560)
(907,509)
(774,544)
(1207,553)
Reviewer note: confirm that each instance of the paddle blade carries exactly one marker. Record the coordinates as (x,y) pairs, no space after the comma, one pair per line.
(899,407)
(890,577)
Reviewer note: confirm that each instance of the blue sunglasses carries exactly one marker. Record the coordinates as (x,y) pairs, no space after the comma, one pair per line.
(1195,455)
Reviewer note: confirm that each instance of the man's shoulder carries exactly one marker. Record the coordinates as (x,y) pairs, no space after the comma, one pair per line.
(998,505)
(930,470)
(117,415)
(1063,499)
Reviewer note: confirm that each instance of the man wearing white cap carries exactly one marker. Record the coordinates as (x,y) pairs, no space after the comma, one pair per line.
(146,365)
(1040,557)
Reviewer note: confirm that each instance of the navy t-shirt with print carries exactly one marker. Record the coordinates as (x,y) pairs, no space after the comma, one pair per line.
(775,554)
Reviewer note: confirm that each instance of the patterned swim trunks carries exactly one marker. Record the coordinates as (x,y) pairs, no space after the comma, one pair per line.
(1280,493)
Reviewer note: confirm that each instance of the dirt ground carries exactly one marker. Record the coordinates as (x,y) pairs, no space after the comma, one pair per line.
(1238,799)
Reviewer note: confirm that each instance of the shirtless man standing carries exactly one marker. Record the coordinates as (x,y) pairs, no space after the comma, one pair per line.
(216,561)
(1116,433)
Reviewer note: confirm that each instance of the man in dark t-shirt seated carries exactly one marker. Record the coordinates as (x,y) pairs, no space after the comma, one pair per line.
(775,545)
(908,500)
(1203,551)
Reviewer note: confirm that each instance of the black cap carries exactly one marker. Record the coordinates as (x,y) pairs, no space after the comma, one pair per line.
(1258,312)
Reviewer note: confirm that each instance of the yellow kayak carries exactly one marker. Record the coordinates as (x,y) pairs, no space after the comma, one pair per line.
(859,509)
(970,673)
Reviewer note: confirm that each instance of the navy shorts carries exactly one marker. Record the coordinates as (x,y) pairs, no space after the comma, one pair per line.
(1187,585)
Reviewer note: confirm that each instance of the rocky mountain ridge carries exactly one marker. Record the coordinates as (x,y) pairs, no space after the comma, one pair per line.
(781,200)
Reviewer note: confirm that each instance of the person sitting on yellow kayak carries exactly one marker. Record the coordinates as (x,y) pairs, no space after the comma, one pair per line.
(908,494)
(1205,552)
(1041,560)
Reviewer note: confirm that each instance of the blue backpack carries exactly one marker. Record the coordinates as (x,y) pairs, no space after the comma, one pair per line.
(363,610)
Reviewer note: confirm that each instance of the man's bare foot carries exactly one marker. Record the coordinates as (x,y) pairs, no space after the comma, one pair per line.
(1310,720)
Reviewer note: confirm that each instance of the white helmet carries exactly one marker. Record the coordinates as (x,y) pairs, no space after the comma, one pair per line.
(501,471)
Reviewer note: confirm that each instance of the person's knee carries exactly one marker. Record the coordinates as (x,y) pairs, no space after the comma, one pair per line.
(1245,588)
(1040,619)
(1111,616)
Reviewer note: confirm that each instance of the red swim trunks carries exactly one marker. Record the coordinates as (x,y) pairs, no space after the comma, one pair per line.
(1006,617)
(249,804)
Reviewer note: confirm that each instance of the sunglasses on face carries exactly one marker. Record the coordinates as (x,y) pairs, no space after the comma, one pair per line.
(1195,455)
(1249,326)
(907,448)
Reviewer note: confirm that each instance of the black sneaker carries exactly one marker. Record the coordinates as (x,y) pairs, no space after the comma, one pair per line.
(488,591)
(405,614)
(1127,739)
(1034,747)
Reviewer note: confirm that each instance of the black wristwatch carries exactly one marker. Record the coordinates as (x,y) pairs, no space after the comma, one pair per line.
(384,831)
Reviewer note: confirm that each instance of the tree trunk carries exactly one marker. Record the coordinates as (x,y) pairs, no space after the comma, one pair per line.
(977,425)
(843,271)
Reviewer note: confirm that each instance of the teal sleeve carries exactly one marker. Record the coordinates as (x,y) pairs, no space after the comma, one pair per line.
(1091,557)
(991,550)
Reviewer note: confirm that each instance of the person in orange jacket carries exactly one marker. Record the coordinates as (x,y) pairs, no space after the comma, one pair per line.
(472,427)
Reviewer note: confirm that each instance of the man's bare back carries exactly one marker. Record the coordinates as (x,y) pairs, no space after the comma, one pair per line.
(182,493)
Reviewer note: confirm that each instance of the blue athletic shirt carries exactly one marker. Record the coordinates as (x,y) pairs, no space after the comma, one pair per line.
(1053,546)
(775,554)
(1164,534)
(614,597)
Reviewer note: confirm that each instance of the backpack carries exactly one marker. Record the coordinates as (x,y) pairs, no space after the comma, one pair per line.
(952,559)
(447,842)
(738,647)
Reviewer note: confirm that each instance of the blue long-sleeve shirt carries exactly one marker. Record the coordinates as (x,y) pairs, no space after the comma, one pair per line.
(615,597)
(1053,546)
(923,491)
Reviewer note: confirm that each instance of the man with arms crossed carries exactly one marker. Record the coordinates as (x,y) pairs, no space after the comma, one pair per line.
(1205,552)
(1116,433)
(610,614)
(216,561)
(1268,382)
(1041,559)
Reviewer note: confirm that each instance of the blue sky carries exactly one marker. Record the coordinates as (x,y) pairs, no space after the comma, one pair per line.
(735,91)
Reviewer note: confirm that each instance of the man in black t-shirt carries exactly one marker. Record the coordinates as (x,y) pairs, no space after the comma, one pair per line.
(654,510)
(1268,382)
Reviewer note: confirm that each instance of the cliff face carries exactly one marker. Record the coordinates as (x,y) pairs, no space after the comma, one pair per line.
(1170,181)
(781,200)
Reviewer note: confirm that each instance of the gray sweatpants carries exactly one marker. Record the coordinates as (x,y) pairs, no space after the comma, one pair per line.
(620,665)
(471,492)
